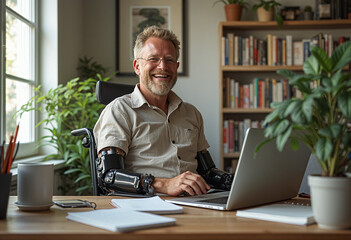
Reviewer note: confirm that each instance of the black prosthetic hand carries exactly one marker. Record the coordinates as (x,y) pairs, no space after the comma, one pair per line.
(112,177)
(212,175)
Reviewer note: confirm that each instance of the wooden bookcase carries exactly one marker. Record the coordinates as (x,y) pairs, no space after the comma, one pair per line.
(245,74)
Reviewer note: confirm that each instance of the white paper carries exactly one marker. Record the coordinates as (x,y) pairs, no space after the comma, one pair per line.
(120,220)
(151,205)
(286,213)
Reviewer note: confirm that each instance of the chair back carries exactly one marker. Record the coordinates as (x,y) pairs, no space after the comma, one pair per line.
(106,92)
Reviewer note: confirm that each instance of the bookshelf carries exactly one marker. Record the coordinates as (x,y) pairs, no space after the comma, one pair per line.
(244,74)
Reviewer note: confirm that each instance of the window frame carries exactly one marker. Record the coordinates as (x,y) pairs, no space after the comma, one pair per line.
(26,149)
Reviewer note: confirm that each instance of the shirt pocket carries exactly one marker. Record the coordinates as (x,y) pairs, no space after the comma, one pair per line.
(188,139)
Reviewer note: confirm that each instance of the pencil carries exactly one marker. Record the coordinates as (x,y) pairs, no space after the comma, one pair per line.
(12,150)
(4,167)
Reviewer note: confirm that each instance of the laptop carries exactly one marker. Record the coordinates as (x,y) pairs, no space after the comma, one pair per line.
(271,176)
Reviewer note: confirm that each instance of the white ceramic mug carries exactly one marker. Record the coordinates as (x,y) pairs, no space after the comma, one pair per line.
(35,183)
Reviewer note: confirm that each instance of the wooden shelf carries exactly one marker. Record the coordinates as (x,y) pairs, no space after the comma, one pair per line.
(301,25)
(247,110)
(232,155)
(258,68)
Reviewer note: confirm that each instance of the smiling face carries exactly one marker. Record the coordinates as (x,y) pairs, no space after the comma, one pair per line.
(157,67)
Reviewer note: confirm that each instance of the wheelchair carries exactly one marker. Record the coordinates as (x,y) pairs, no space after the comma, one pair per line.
(105,93)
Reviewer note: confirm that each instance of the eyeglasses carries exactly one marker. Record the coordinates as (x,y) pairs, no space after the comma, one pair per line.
(157,60)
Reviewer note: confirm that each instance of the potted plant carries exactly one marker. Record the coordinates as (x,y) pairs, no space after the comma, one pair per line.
(266,9)
(67,107)
(308,14)
(233,9)
(322,121)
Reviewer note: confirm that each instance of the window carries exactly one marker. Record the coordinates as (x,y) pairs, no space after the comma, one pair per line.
(18,70)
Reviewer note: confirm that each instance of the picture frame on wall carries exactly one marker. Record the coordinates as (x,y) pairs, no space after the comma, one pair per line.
(133,16)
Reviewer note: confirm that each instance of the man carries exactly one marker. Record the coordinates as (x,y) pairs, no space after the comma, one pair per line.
(154,135)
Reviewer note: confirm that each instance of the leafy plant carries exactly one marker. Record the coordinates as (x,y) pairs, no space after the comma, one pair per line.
(322,116)
(308,8)
(267,5)
(227,2)
(68,107)
(87,68)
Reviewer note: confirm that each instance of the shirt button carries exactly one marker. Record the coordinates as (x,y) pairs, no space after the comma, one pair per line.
(169,120)
(173,141)
(179,157)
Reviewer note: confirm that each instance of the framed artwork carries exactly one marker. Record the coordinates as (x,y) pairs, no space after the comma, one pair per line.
(133,16)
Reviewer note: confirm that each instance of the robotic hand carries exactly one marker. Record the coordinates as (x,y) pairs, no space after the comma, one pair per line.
(113,178)
(212,175)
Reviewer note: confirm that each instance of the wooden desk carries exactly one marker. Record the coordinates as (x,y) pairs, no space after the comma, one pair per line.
(194,223)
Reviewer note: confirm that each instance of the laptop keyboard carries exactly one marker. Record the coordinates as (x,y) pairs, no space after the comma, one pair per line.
(219,200)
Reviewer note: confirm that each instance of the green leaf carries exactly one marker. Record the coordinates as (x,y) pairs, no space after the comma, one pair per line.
(286,73)
(332,131)
(341,56)
(311,66)
(82,177)
(293,106)
(294,144)
(282,138)
(307,107)
(344,103)
(281,127)
(299,117)
(322,58)
(324,148)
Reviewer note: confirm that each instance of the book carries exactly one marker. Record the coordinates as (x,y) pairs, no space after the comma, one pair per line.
(285,213)
(225,137)
(298,53)
(150,205)
(120,219)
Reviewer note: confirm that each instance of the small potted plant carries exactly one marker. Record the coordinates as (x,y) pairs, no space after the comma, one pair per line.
(233,8)
(308,14)
(321,120)
(266,9)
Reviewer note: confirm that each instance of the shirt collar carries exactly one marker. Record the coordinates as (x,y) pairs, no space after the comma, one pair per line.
(138,99)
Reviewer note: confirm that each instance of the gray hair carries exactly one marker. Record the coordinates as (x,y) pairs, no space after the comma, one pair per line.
(154,31)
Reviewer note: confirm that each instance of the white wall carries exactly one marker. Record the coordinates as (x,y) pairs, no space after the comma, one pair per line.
(89,29)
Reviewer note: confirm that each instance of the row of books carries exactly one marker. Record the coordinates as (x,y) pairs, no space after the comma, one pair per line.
(274,50)
(260,93)
(234,133)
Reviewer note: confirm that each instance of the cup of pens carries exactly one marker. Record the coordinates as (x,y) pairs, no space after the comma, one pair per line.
(5,184)
(6,159)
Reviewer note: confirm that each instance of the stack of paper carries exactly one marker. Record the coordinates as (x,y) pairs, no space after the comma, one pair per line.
(150,205)
(120,220)
(286,213)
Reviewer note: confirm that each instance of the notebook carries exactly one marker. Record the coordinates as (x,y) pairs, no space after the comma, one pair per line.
(151,205)
(120,220)
(271,176)
(286,212)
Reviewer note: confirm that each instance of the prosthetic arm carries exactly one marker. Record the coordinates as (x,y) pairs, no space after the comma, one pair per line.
(213,176)
(112,176)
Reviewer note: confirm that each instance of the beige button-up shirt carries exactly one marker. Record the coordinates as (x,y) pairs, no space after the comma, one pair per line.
(154,143)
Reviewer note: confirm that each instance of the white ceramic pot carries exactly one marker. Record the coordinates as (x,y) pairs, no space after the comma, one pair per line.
(331,201)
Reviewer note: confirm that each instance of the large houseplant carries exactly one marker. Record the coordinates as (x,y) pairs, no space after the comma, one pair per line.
(322,121)
(68,107)
(233,8)
(266,10)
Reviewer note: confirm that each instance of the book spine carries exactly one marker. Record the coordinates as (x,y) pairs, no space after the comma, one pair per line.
(225,137)
(289,50)
(231,49)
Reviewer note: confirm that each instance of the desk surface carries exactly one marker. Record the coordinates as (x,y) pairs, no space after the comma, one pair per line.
(194,223)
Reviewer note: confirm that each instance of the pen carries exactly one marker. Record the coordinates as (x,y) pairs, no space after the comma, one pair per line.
(12,149)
